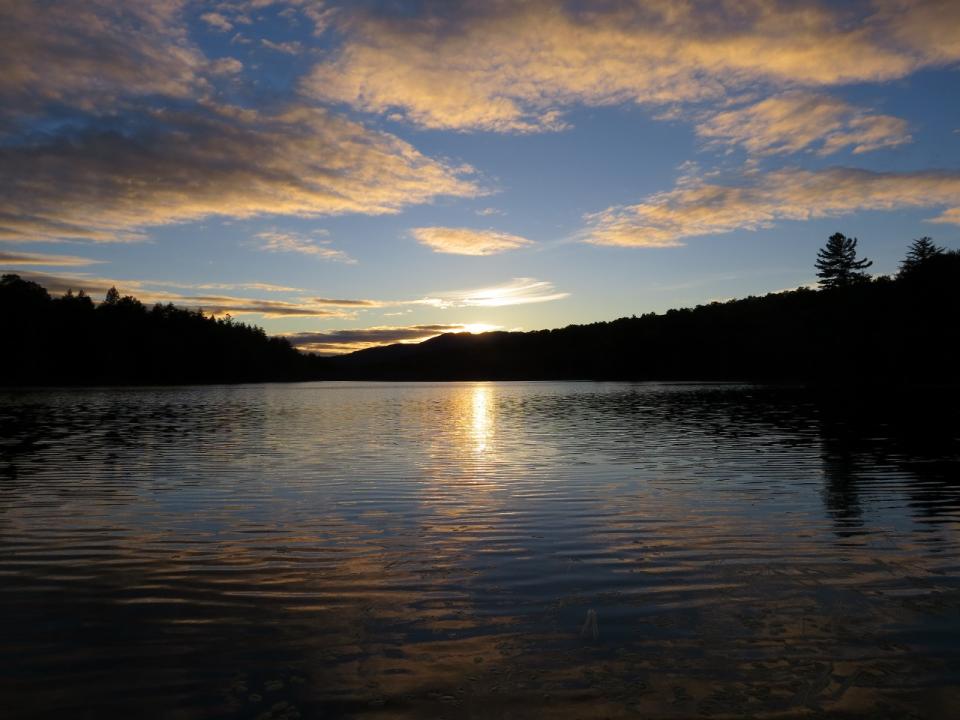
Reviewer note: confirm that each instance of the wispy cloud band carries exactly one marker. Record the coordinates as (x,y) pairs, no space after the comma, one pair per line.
(467,241)
(799,120)
(757,200)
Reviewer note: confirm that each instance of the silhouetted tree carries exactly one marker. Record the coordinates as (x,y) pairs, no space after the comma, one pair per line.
(112,297)
(919,252)
(837,263)
(26,293)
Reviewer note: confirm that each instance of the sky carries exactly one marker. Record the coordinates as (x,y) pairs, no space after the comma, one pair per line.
(360,173)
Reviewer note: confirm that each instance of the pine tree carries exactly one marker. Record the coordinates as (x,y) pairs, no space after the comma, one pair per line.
(837,263)
(919,252)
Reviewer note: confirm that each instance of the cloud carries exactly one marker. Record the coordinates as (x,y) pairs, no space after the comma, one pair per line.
(519,291)
(700,206)
(291,47)
(93,54)
(466,241)
(266,287)
(40,259)
(334,302)
(295,243)
(145,291)
(108,126)
(217,21)
(514,67)
(219,304)
(314,11)
(803,120)
(336,342)
(173,166)
(59,284)
(226,66)
(950,216)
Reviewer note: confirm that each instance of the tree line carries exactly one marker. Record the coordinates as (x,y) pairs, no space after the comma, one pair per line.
(856,328)
(72,340)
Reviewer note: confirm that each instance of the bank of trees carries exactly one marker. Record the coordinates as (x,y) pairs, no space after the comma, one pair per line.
(72,340)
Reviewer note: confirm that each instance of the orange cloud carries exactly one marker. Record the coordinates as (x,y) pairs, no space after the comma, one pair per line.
(466,241)
(802,120)
(41,259)
(702,207)
(513,67)
(950,216)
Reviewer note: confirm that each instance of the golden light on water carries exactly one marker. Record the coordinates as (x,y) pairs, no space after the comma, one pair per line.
(482,427)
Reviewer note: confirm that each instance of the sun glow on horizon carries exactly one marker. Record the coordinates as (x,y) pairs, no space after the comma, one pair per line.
(477,328)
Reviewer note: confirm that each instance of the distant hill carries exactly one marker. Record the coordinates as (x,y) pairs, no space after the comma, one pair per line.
(900,330)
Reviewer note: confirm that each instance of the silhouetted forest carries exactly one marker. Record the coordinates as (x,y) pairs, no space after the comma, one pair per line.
(71,340)
(854,330)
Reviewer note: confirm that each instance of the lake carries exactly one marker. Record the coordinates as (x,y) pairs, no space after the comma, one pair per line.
(478,550)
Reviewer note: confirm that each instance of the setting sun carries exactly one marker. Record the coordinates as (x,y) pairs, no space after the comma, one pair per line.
(479,328)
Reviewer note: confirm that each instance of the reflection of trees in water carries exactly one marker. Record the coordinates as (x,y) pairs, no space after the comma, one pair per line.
(841,495)
(864,442)
(78,446)
(912,439)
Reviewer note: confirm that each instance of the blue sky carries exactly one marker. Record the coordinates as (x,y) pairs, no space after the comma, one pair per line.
(357,173)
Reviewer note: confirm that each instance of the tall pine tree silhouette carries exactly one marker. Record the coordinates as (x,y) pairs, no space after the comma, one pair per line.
(919,252)
(837,263)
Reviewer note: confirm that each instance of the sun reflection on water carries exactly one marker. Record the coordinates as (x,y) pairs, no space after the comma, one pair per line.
(482,427)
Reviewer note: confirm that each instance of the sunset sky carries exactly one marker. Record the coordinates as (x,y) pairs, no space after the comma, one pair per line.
(366,172)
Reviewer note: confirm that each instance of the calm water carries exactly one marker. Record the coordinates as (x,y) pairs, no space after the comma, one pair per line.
(476,550)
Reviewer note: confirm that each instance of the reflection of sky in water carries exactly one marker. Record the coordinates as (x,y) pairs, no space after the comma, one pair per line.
(421,548)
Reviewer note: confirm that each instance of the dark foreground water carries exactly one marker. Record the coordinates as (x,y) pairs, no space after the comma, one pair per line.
(477,550)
